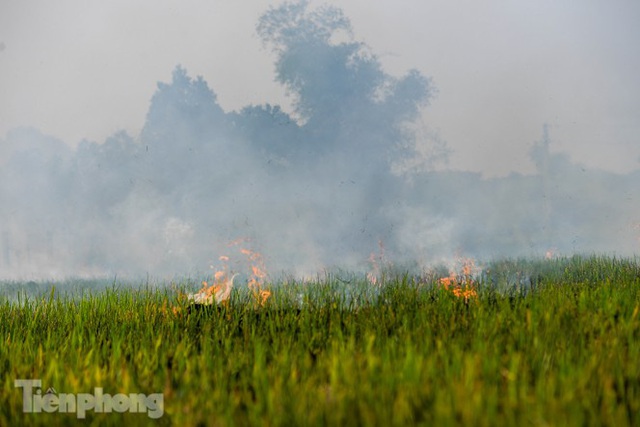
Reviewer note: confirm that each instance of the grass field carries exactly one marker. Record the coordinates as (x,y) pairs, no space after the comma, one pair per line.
(544,342)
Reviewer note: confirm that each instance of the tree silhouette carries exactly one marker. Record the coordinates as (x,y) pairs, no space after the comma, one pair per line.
(106,172)
(184,132)
(341,94)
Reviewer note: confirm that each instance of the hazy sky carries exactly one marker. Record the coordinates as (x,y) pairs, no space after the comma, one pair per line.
(85,69)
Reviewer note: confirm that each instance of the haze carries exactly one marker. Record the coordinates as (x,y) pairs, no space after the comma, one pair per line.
(144,139)
(79,70)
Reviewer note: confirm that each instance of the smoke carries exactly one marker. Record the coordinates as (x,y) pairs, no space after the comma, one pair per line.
(324,185)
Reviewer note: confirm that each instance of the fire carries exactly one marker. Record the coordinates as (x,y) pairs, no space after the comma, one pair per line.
(373,279)
(258,275)
(264,296)
(462,285)
(376,261)
(219,290)
(550,254)
(170,311)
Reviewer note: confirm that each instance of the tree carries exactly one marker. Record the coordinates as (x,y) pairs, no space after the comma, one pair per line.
(106,173)
(272,134)
(184,131)
(340,91)
(183,106)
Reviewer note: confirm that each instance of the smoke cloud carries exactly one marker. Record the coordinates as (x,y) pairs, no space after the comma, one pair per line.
(347,171)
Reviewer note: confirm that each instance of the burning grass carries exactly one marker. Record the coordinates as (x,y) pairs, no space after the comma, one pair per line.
(218,291)
(462,284)
(405,351)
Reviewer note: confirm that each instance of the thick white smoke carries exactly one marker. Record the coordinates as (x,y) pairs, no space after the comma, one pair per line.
(317,188)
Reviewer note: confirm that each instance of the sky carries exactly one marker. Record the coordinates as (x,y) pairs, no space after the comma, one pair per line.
(86,69)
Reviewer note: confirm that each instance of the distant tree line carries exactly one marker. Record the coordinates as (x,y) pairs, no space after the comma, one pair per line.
(317,186)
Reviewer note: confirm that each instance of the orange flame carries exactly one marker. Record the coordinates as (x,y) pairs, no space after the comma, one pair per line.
(258,275)
(462,285)
(264,296)
(550,253)
(170,311)
(218,291)
(376,265)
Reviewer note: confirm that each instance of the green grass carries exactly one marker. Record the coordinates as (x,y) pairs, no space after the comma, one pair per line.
(546,343)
